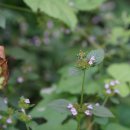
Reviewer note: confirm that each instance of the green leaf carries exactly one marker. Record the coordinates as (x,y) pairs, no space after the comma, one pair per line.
(59,105)
(71,83)
(98,54)
(2,19)
(114,126)
(120,71)
(55,8)
(101,120)
(87,4)
(123,89)
(102,111)
(71,125)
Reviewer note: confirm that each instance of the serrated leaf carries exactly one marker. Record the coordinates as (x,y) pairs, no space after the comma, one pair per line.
(102,111)
(87,4)
(98,54)
(120,71)
(55,8)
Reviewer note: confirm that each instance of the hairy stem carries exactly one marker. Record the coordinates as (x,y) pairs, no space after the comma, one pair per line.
(82,91)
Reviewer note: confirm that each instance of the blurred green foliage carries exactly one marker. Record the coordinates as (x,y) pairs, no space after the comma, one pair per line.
(41,44)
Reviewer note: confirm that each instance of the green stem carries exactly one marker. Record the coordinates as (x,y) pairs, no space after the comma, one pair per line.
(15,8)
(82,91)
(105,101)
(27,127)
(78,126)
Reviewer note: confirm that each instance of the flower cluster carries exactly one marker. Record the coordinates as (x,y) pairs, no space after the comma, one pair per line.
(24,104)
(92,60)
(110,87)
(86,109)
(83,62)
(6,118)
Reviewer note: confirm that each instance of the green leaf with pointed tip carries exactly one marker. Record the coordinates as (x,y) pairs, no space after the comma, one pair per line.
(98,54)
(55,8)
(120,71)
(102,111)
(87,4)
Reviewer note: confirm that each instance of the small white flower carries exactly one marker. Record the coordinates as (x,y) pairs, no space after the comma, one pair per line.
(108,91)
(112,83)
(5,100)
(90,62)
(20,79)
(117,82)
(97,104)
(30,117)
(22,109)
(69,106)
(9,120)
(90,106)
(92,58)
(1,117)
(73,111)
(88,112)
(116,91)
(27,101)
(106,86)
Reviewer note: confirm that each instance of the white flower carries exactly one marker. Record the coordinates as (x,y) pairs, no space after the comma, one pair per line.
(117,82)
(90,106)
(69,106)
(88,112)
(30,117)
(97,104)
(1,117)
(73,111)
(92,58)
(106,86)
(90,62)
(20,79)
(116,91)
(5,100)
(27,101)
(112,83)
(9,120)
(108,91)
(22,109)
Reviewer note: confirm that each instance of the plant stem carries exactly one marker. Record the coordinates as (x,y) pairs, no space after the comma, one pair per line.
(105,101)
(78,126)
(27,127)
(82,91)
(15,8)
